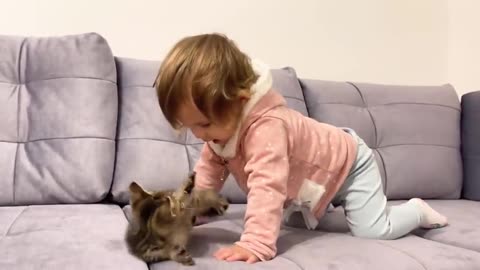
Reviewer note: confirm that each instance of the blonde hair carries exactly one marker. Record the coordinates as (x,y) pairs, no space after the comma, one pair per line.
(207,69)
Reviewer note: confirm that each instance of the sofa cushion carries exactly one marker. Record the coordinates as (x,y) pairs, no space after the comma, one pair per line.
(303,249)
(149,150)
(464,225)
(65,237)
(462,231)
(58,111)
(471,145)
(414,131)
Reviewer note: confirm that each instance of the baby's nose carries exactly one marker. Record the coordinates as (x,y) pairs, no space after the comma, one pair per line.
(200,135)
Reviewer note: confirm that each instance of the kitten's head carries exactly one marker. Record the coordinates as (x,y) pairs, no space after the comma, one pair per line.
(164,205)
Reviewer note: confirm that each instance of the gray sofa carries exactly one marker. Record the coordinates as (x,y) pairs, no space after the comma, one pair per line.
(77,124)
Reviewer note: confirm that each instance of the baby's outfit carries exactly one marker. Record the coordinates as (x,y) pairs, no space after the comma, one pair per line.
(281,158)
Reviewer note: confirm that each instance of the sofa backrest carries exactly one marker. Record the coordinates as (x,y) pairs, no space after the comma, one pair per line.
(414,131)
(149,151)
(58,117)
(471,145)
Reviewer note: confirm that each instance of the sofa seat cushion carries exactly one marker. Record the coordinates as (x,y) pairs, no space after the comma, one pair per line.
(302,249)
(64,237)
(464,224)
(463,229)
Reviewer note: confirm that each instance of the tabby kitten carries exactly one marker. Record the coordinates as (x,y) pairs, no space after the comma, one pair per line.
(162,221)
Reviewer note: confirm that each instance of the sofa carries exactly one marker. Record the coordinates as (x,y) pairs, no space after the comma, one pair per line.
(78,124)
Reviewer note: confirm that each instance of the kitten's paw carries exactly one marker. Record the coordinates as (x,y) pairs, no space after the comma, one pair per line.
(222,206)
(182,256)
(186,260)
(219,207)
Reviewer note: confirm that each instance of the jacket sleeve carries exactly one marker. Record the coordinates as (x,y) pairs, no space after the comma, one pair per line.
(210,170)
(267,167)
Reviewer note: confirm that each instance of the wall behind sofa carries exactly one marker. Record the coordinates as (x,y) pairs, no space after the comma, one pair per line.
(401,42)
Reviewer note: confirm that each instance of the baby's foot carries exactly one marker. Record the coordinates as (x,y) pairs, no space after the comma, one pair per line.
(430,219)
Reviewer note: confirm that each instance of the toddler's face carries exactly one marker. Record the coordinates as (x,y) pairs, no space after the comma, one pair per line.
(192,118)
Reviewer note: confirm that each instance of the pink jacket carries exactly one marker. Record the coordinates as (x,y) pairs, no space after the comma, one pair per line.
(277,155)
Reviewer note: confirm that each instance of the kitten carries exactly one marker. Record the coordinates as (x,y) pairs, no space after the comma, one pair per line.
(162,221)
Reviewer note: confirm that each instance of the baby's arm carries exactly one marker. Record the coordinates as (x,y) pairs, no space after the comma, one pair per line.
(266,151)
(210,170)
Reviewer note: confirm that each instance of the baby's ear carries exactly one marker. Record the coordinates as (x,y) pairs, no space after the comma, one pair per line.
(244,94)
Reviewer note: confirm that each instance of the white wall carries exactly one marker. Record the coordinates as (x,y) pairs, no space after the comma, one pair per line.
(464,45)
(384,41)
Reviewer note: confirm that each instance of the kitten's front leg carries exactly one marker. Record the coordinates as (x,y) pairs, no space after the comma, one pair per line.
(181,255)
(209,202)
(155,254)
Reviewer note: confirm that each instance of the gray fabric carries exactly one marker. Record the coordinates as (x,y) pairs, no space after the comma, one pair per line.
(471,145)
(415,131)
(149,151)
(464,224)
(302,249)
(285,81)
(58,113)
(463,229)
(65,237)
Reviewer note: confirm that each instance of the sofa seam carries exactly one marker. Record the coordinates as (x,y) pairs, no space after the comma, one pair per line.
(394,103)
(423,144)
(103,138)
(160,140)
(302,89)
(115,141)
(59,138)
(403,252)
(369,112)
(7,232)
(19,78)
(188,159)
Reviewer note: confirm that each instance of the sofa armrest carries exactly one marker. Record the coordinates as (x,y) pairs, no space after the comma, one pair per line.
(471,145)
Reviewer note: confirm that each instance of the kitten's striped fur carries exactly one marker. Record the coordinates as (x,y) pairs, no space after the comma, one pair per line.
(162,220)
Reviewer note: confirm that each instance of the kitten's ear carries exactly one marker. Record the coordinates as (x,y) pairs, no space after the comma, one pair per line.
(136,191)
(190,183)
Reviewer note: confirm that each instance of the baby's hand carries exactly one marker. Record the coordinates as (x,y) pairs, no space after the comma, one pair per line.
(235,253)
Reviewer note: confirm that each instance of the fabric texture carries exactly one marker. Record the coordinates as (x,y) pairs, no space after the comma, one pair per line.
(58,115)
(58,126)
(413,130)
(149,151)
(312,250)
(272,155)
(464,225)
(471,145)
(59,237)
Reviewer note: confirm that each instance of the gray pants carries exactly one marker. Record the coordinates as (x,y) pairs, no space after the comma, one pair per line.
(365,203)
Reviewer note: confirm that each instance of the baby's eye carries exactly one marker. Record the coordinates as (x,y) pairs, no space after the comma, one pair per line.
(206,125)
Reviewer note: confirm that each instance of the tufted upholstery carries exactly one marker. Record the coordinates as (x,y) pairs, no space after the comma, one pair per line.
(58,117)
(58,121)
(414,131)
(149,150)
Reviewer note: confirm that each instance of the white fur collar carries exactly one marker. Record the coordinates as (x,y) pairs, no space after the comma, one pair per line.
(259,89)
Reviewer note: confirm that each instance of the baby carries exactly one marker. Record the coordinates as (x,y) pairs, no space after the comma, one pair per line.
(281,159)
